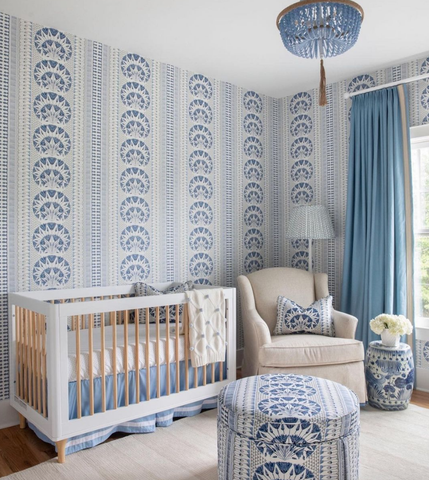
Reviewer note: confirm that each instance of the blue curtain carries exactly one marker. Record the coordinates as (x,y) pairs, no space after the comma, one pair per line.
(375,256)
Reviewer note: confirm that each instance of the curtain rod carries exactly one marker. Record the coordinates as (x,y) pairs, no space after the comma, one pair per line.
(386,85)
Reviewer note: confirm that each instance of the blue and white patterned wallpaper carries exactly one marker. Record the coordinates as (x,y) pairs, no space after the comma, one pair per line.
(116,168)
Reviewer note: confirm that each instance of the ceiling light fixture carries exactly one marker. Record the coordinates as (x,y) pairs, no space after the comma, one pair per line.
(315,29)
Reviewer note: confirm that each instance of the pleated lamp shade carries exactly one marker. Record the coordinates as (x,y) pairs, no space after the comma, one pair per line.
(310,221)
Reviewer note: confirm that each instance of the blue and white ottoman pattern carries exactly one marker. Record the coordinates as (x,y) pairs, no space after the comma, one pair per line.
(288,427)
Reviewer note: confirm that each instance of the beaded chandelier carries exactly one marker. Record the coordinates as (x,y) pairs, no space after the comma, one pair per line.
(317,29)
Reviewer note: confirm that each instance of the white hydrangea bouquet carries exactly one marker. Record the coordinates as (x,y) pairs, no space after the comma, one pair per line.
(390,327)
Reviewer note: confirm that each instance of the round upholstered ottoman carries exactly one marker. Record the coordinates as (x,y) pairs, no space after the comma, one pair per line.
(288,427)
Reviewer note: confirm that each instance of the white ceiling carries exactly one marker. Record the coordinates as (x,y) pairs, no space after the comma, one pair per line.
(233,40)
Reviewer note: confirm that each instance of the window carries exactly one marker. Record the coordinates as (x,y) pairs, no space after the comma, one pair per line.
(420,176)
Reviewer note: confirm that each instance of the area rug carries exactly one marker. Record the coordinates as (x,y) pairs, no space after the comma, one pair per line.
(393,446)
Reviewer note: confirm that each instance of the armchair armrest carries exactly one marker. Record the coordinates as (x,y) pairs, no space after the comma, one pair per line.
(256,331)
(345,324)
(260,328)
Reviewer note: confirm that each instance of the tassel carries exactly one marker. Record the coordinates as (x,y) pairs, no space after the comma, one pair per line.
(322,86)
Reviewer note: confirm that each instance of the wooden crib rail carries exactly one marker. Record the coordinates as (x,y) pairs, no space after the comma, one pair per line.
(30,355)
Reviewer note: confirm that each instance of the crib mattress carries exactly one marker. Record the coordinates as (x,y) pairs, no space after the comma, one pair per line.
(120,350)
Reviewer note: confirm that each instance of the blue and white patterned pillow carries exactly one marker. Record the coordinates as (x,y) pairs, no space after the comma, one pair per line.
(292,318)
(142,289)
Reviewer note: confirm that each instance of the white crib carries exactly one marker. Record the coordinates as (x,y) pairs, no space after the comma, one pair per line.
(101,338)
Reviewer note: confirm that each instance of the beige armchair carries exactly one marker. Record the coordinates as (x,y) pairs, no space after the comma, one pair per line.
(338,358)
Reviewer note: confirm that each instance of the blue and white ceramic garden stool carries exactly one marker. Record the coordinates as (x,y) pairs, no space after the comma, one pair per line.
(288,427)
(389,373)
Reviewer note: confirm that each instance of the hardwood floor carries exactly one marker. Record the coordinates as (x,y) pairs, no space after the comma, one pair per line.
(21,449)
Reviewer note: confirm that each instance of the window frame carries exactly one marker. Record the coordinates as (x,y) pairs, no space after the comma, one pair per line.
(419,138)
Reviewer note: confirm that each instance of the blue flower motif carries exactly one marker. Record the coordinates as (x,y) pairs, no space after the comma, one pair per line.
(300,103)
(135,152)
(253,147)
(253,216)
(53,44)
(424,99)
(51,172)
(200,137)
(51,140)
(301,125)
(135,68)
(200,162)
(301,170)
(289,407)
(253,262)
(135,96)
(135,268)
(201,265)
(201,188)
(288,439)
(282,471)
(253,193)
(200,86)
(51,206)
(49,107)
(200,112)
(201,239)
(253,239)
(301,193)
(361,82)
(51,239)
(252,102)
(135,239)
(252,124)
(201,213)
(301,147)
(51,272)
(135,181)
(53,76)
(135,210)
(135,124)
(253,170)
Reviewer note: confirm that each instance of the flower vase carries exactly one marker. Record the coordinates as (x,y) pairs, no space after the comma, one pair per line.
(388,339)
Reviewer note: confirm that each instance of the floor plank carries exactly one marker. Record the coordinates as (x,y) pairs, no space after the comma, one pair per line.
(21,448)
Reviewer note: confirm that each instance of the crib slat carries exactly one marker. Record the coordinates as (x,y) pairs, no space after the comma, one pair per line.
(125,317)
(78,382)
(205,375)
(25,353)
(30,357)
(195,377)
(186,328)
(91,362)
(34,388)
(44,365)
(114,367)
(147,355)
(167,345)
(177,351)
(39,383)
(103,362)
(213,372)
(158,367)
(17,352)
(136,359)
(21,352)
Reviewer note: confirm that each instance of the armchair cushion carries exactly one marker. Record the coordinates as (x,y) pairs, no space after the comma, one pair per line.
(309,350)
(316,319)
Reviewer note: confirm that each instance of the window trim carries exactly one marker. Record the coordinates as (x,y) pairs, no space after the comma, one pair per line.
(419,138)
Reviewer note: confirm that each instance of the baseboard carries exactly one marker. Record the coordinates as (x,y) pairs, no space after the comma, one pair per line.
(8,415)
